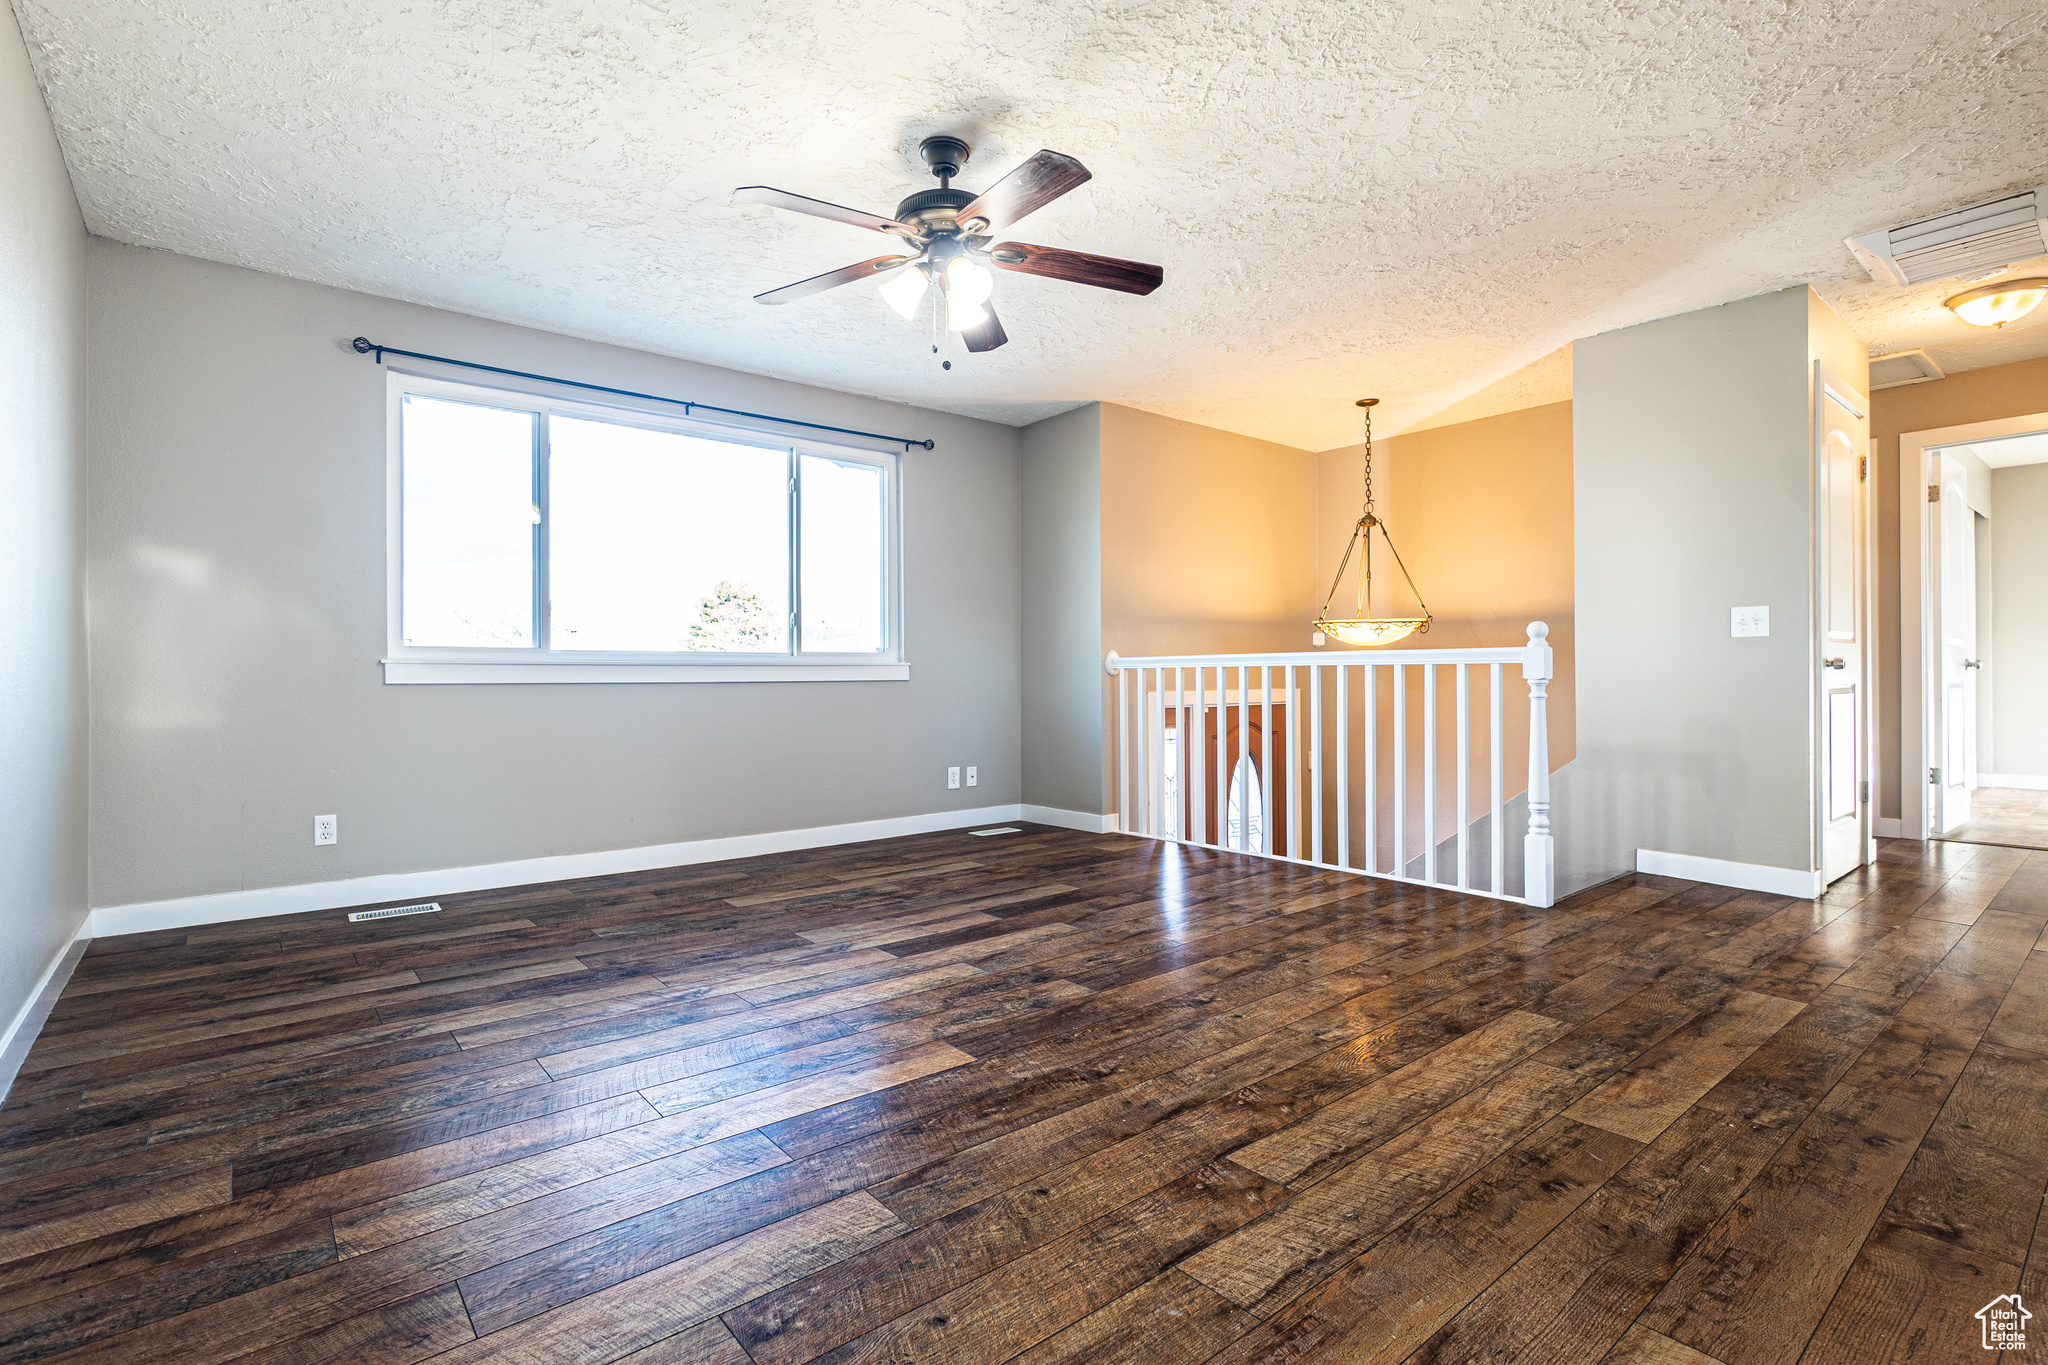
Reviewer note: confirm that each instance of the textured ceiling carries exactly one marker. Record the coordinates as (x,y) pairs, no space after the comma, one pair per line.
(1411,199)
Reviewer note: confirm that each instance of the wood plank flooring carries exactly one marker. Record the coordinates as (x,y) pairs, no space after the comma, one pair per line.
(1047,1097)
(2005,815)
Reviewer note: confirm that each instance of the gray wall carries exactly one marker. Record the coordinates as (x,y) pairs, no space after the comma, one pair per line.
(1691,441)
(2019,621)
(237,604)
(1062,667)
(42,641)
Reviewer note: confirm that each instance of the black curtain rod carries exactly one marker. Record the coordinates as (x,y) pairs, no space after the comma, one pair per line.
(365,346)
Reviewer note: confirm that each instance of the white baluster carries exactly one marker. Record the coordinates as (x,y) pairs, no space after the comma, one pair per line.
(1400,680)
(1539,850)
(1315,762)
(1244,747)
(1292,718)
(1464,775)
(1429,773)
(1123,756)
(1496,835)
(1343,769)
(1372,769)
(1266,836)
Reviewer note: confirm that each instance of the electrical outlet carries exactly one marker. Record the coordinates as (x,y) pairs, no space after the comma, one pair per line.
(1749,621)
(952,779)
(973,778)
(326,829)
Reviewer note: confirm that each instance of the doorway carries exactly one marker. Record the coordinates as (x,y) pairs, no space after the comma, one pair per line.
(1981,716)
(1841,468)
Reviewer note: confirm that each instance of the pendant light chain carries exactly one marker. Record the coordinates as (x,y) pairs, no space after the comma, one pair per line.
(1368,462)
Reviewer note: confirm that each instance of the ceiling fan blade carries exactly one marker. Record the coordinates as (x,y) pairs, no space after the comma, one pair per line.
(818,208)
(1033,185)
(1077,267)
(832,279)
(988,335)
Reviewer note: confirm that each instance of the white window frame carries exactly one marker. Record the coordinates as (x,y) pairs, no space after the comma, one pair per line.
(403,663)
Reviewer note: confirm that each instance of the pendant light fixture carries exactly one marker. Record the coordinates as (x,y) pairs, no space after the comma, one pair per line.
(1363,628)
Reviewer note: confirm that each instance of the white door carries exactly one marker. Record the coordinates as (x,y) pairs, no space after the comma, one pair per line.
(1845,812)
(1955,633)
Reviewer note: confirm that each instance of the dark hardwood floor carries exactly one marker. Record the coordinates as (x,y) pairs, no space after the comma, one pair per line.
(1048,1097)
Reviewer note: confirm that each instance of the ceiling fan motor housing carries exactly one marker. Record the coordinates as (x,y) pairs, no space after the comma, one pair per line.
(934,209)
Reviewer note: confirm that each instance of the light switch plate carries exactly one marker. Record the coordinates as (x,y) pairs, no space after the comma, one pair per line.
(1749,621)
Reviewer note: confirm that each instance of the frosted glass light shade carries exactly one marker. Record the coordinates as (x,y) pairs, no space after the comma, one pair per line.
(904,290)
(1379,631)
(968,287)
(1994,305)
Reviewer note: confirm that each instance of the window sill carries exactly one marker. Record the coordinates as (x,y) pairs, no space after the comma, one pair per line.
(458,671)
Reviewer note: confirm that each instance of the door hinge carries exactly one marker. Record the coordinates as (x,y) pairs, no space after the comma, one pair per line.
(1866,793)
(1862,466)
(1934,776)
(1934,492)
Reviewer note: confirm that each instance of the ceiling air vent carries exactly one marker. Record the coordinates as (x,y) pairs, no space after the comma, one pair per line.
(1982,237)
(1902,367)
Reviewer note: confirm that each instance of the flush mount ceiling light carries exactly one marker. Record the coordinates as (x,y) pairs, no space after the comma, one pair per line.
(1994,305)
(951,231)
(1364,628)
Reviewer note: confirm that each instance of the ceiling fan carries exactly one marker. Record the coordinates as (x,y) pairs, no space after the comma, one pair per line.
(950,232)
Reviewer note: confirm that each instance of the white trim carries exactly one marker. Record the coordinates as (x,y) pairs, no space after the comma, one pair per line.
(28,1020)
(444,671)
(2025,782)
(225,906)
(1069,819)
(1778,881)
(1888,828)
(1915,735)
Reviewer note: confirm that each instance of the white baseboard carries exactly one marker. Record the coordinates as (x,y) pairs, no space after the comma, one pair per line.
(1068,819)
(1888,828)
(2025,782)
(222,907)
(28,1020)
(1778,881)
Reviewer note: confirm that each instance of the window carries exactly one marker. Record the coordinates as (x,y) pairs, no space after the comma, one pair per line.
(537,540)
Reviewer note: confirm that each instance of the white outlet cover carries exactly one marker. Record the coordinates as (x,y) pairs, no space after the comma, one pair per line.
(973,777)
(1749,621)
(326,829)
(952,779)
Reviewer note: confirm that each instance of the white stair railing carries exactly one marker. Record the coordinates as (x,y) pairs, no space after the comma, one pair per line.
(1346,803)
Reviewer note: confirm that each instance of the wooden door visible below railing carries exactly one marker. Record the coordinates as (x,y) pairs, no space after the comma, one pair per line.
(1244,743)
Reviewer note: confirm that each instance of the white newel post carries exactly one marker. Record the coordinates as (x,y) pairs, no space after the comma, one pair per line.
(1539,850)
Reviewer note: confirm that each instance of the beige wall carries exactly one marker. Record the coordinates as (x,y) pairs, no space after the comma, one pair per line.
(42,549)
(1208,539)
(1147,535)
(1688,504)
(1986,395)
(1062,612)
(2018,663)
(237,477)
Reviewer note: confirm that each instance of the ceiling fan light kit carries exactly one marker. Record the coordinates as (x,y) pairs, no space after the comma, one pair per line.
(949,232)
(1363,628)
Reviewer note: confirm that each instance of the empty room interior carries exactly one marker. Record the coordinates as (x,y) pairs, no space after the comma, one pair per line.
(772,683)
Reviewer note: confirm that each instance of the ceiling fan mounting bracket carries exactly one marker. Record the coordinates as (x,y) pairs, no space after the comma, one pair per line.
(945,154)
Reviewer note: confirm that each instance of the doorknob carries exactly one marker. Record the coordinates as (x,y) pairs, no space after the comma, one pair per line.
(1972,663)
(1836,663)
